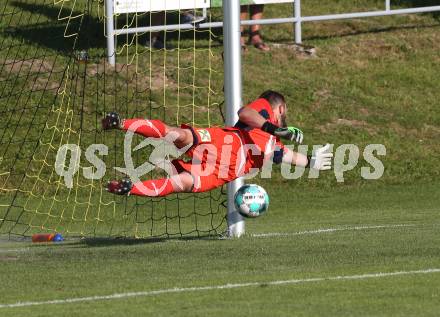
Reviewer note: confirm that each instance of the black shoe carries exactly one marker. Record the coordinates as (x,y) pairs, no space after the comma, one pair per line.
(190,18)
(121,187)
(111,121)
(159,44)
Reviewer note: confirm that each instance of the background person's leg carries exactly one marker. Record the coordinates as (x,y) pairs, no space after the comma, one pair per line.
(156,39)
(243,16)
(256,13)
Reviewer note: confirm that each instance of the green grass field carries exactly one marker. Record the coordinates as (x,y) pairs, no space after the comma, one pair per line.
(383,229)
(320,248)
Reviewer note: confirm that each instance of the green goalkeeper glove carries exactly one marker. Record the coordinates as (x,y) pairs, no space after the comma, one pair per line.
(289,133)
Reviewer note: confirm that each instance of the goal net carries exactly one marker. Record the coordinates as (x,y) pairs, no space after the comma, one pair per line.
(56,85)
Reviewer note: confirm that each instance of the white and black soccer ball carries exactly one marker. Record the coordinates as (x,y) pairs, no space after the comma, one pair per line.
(251,200)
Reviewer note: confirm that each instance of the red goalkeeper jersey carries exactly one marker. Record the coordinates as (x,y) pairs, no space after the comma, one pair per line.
(233,151)
(265,142)
(263,107)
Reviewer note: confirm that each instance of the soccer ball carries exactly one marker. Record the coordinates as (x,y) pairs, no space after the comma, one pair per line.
(251,200)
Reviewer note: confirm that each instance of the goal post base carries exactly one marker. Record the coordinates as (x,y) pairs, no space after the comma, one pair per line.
(236,223)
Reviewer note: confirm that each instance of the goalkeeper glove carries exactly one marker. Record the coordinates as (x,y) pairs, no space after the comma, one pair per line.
(321,159)
(289,133)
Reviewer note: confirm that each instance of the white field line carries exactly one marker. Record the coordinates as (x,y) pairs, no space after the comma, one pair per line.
(329,230)
(216,287)
(14,250)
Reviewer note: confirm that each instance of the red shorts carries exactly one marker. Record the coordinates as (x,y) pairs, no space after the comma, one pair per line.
(217,157)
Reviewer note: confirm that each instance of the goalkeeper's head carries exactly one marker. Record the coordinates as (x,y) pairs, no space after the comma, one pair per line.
(278,104)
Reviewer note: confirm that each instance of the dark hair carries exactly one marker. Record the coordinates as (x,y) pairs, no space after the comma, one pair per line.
(275,98)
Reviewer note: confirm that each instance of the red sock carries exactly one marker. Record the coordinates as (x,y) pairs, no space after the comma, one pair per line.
(147,128)
(153,188)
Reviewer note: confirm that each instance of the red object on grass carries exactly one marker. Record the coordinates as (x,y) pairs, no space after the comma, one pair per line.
(43,237)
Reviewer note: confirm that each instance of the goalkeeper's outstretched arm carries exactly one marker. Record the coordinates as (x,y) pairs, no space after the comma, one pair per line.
(320,160)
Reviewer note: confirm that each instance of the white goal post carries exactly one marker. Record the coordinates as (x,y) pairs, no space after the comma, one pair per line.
(233,100)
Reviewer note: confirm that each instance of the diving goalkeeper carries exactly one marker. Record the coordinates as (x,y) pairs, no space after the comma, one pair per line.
(219,155)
